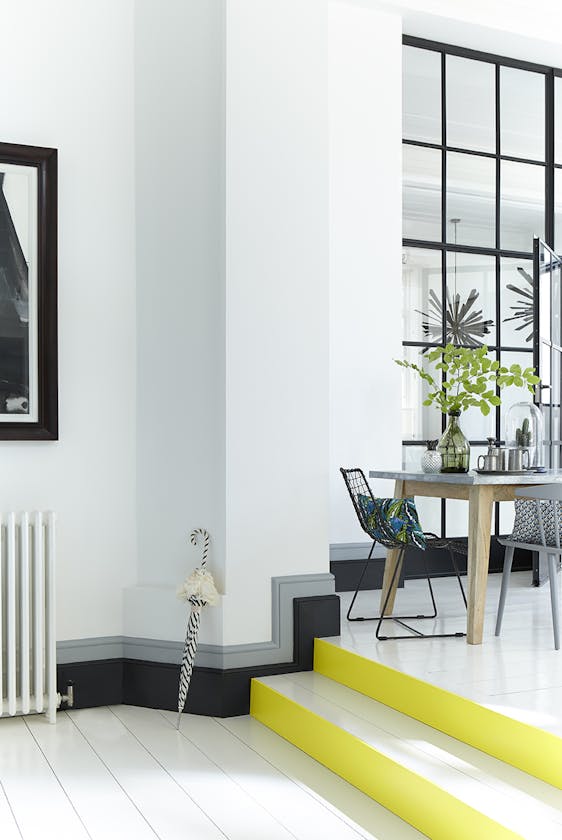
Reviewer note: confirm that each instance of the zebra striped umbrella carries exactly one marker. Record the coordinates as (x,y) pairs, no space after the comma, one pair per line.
(198,590)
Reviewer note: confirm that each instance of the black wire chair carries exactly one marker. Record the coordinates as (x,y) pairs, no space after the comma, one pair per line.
(357,485)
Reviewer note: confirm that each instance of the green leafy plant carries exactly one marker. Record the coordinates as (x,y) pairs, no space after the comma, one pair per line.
(470,378)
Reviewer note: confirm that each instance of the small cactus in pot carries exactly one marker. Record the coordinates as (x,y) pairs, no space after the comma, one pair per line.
(523,434)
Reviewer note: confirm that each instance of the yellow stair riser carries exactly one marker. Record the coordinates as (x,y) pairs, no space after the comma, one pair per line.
(414,799)
(526,747)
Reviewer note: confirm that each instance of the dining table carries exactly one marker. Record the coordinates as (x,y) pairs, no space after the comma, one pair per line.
(481,491)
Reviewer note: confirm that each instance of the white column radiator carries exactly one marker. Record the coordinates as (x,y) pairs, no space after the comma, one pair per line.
(27,614)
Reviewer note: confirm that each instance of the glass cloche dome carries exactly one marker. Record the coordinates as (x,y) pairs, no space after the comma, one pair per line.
(524,428)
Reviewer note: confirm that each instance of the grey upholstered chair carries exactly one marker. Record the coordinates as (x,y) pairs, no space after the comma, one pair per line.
(537,528)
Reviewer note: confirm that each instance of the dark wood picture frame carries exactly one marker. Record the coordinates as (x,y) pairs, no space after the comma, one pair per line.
(45,427)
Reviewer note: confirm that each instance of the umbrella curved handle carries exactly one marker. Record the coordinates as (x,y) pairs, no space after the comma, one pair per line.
(201,532)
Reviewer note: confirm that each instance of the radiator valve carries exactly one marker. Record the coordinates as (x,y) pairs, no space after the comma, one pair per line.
(67,699)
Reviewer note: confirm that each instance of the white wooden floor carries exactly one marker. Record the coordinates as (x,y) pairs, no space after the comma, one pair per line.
(125,773)
(518,673)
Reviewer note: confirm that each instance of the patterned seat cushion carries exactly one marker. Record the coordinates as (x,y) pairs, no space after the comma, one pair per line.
(526,528)
(393,521)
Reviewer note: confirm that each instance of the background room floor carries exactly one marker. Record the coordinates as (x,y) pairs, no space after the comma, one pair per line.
(518,674)
(125,772)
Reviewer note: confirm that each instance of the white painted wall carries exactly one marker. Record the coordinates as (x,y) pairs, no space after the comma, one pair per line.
(232,359)
(68,83)
(179,118)
(365,251)
(277,409)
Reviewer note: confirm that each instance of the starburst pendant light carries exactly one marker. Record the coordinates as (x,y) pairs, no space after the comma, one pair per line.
(524,308)
(464,325)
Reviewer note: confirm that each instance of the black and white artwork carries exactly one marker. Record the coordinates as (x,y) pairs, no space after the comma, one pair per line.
(28,285)
(18,293)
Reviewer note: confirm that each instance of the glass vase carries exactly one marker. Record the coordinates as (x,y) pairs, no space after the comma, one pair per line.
(431,458)
(454,447)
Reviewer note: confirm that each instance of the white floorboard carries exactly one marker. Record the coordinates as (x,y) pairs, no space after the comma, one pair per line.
(237,814)
(38,802)
(104,807)
(125,773)
(165,805)
(8,824)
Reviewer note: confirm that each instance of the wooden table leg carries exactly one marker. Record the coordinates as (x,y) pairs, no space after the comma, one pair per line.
(480,502)
(392,558)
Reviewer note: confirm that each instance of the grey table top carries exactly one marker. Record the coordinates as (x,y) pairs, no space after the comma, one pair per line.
(471,477)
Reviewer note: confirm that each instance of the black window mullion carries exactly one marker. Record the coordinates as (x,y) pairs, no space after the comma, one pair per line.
(443,159)
(549,159)
(444,239)
(477,55)
(498,162)
(497,410)
(467,249)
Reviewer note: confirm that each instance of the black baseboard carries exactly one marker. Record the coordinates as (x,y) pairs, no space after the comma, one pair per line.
(348,572)
(213,692)
(98,683)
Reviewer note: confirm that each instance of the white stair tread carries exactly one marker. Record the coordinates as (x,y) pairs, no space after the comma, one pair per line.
(512,798)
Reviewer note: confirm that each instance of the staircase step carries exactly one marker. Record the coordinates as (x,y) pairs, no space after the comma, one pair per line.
(428,787)
(527,748)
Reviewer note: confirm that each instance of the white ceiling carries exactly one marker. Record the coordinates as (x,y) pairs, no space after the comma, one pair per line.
(529,31)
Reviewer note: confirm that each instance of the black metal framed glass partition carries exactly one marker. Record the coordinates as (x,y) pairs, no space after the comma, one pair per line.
(547,350)
(482,177)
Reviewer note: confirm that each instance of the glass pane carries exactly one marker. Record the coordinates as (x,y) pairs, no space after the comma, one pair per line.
(545,285)
(522,205)
(544,371)
(471,299)
(476,426)
(558,120)
(421,95)
(511,395)
(516,302)
(555,385)
(471,194)
(419,422)
(558,210)
(555,301)
(421,193)
(522,111)
(556,422)
(422,317)
(471,104)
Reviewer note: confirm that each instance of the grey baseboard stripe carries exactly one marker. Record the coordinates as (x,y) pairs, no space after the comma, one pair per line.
(353,551)
(279,649)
